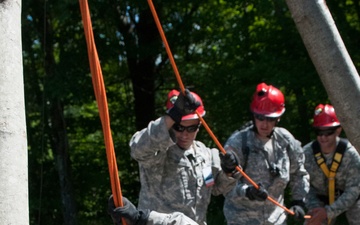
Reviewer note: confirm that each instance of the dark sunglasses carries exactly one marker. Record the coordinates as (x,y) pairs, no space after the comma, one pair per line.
(189,129)
(262,118)
(325,133)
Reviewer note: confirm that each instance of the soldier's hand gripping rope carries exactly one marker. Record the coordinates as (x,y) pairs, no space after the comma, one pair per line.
(128,212)
(298,208)
(259,194)
(184,104)
(229,161)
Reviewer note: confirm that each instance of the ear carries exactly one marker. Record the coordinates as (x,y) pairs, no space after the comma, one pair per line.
(338,131)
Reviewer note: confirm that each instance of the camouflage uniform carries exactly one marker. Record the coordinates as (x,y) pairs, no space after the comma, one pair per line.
(175,218)
(288,157)
(172,179)
(347,181)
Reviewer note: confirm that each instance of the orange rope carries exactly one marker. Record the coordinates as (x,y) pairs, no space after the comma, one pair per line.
(182,88)
(163,37)
(100,94)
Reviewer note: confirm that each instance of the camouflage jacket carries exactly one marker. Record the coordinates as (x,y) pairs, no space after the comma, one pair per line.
(347,181)
(288,159)
(176,218)
(172,179)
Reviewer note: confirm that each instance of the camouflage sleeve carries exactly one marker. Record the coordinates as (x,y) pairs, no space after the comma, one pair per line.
(234,143)
(239,191)
(299,177)
(148,144)
(175,218)
(311,201)
(223,183)
(351,192)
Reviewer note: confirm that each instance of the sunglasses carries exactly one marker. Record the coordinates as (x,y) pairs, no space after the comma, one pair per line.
(325,133)
(263,118)
(189,129)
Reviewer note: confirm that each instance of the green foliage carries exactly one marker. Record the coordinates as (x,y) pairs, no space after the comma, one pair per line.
(222,50)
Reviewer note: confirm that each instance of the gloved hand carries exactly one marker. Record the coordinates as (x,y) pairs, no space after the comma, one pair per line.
(297,206)
(229,161)
(128,211)
(256,194)
(184,105)
(318,216)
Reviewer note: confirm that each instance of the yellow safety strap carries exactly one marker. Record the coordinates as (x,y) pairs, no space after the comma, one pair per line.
(330,174)
(334,166)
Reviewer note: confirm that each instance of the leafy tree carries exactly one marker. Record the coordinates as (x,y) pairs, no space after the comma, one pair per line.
(222,50)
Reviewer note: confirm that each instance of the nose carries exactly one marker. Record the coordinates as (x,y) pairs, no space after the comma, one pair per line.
(185,133)
(264,124)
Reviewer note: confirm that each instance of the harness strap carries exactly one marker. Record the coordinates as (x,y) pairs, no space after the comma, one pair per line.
(330,173)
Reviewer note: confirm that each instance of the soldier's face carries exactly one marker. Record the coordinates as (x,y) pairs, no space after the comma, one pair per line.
(186,133)
(327,139)
(264,127)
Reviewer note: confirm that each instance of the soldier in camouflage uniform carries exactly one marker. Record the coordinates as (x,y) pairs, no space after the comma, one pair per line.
(177,172)
(272,158)
(347,179)
(134,216)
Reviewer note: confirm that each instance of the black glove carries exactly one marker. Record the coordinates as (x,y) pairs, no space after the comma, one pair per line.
(256,194)
(184,105)
(229,161)
(128,212)
(297,206)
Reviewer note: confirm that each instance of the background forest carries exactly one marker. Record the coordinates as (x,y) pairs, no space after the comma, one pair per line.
(222,48)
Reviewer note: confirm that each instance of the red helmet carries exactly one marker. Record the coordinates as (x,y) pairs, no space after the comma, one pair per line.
(268,101)
(324,116)
(172,96)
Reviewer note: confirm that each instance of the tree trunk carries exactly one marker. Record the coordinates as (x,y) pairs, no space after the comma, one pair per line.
(332,61)
(59,139)
(60,148)
(13,143)
(141,55)
(54,120)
